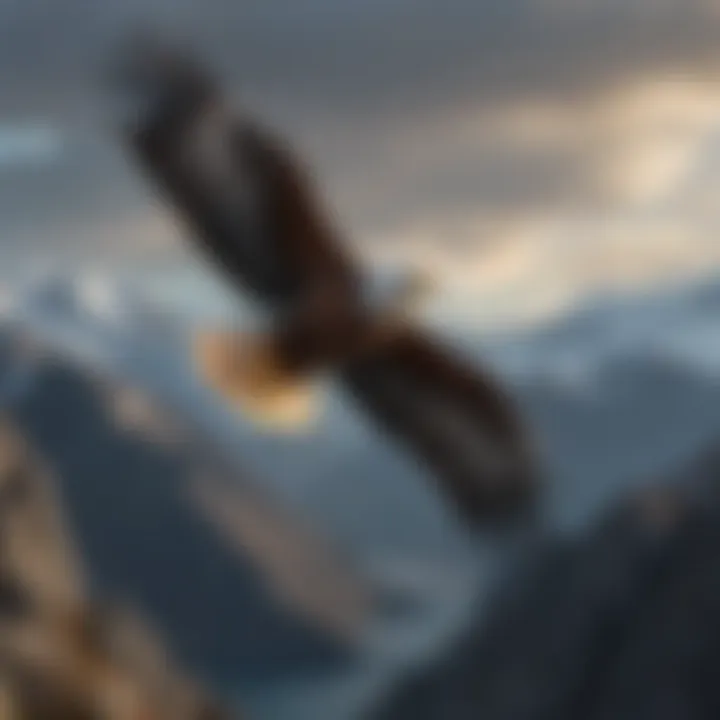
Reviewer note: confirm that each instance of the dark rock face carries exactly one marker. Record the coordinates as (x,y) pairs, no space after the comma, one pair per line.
(620,623)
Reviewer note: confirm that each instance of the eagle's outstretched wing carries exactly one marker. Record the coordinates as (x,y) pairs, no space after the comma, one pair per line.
(454,417)
(246,202)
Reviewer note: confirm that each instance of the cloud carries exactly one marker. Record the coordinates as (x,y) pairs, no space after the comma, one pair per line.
(506,141)
(570,198)
(27,146)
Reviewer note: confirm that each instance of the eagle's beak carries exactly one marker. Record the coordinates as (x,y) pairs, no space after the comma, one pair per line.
(241,369)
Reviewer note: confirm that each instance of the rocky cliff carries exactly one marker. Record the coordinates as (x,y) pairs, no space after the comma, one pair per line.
(63,654)
(619,622)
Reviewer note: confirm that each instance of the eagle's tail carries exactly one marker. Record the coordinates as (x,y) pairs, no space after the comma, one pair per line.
(241,368)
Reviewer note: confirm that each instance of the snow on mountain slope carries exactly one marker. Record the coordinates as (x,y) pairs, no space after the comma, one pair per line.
(681,324)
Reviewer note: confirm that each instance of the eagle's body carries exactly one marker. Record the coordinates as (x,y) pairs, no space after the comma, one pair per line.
(256,215)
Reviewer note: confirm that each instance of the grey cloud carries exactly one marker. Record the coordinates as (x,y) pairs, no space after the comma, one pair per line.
(344,77)
(360,56)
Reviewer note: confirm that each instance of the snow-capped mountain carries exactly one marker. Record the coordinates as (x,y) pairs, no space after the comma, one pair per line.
(608,353)
(616,393)
(93,317)
(682,324)
(105,328)
(99,330)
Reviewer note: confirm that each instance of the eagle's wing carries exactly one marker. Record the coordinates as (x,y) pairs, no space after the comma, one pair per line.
(455,418)
(249,204)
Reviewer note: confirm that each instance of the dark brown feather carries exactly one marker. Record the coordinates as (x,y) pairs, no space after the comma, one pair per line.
(279,242)
(457,419)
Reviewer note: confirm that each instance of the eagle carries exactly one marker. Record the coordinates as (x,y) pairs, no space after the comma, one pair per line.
(252,209)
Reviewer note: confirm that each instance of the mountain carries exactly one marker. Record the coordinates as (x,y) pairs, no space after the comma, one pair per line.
(203,550)
(616,621)
(399,570)
(131,502)
(678,323)
(148,350)
(615,394)
(609,612)
(63,654)
(614,391)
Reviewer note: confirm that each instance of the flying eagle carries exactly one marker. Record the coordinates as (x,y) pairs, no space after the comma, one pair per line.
(253,210)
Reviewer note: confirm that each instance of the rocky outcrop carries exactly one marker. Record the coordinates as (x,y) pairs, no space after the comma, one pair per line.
(619,623)
(212,561)
(64,656)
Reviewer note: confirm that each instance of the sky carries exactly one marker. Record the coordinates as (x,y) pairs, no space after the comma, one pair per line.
(529,152)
